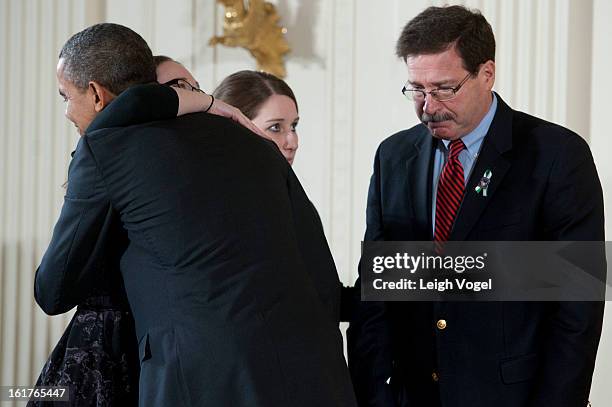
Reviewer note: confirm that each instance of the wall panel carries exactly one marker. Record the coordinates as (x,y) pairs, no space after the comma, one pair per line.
(341,132)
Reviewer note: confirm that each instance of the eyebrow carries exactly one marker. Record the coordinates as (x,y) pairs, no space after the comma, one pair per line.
(281,120)
(436,83)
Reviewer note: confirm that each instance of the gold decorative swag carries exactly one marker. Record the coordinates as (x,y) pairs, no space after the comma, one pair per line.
(255,28)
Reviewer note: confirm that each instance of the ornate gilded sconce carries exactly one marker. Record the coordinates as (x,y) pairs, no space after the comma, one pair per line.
(256,28)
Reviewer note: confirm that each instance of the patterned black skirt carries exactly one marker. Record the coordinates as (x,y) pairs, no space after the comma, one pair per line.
(96,357)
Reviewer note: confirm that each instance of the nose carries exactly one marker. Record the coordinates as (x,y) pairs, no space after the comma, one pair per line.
(430,105)
(291,141)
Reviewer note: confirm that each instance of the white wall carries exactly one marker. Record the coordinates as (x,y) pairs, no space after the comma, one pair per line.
(553,61)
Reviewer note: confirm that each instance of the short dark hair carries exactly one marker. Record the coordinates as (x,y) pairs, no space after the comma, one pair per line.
(248,90)
(436,29)
(110,54)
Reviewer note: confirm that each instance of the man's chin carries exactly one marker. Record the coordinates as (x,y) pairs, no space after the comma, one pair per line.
(440,131)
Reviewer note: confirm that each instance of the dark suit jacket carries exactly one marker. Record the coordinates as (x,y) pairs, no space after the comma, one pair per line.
(91,271)
(544,187)
(229,276)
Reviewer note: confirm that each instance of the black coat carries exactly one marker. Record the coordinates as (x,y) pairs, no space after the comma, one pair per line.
(231,282)
(504,354)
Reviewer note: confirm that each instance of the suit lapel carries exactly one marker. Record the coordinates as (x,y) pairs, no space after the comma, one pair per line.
(418,169)
(491,158)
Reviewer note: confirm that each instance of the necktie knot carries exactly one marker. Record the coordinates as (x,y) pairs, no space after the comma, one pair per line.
(456,146)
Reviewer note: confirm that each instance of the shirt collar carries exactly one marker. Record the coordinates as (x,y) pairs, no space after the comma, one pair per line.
(473,140)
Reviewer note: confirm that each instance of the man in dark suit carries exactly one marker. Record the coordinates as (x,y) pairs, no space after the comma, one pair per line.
(227,271)
(541,185)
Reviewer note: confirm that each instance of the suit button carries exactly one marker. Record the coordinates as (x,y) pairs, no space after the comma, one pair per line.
(435,377)
(441,324)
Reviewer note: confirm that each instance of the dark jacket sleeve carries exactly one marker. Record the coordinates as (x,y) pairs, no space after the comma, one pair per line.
(368,336)
(136,105)
(71,264)
(573,212)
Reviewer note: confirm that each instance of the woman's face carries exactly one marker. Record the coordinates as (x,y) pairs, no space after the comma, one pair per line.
(278,118)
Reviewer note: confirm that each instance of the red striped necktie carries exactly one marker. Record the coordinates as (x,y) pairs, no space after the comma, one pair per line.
(450,192)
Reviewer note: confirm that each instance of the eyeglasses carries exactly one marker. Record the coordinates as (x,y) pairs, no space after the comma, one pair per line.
(440,94)
(183,84)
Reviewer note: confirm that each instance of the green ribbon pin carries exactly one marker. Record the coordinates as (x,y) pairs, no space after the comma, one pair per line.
(483,184)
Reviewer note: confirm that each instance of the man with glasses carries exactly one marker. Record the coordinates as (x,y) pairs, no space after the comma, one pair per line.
(539,182)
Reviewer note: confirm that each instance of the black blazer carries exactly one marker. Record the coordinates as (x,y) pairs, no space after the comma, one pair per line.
(545,187)
(233,288)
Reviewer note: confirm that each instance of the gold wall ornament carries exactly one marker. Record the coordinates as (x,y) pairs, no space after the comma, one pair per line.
(255,28)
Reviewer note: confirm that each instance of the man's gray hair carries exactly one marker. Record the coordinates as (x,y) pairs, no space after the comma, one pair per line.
(111,54)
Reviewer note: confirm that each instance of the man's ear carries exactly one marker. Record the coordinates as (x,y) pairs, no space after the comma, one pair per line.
(488,71)
(100,95)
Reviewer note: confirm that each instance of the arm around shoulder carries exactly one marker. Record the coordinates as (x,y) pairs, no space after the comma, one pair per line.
(68,268)
(139,104)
